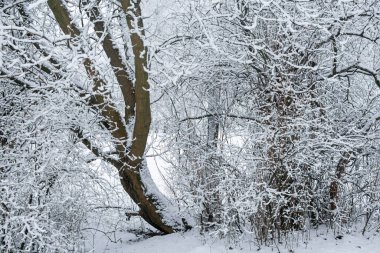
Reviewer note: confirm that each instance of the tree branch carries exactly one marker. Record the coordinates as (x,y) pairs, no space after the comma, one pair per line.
(142,96)
(100,101)
(221,115)
(118,67)
(95,150)
(357,69)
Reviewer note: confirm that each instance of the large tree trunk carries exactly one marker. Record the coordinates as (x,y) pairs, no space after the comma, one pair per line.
(340,170)
(135,90)
(148,203)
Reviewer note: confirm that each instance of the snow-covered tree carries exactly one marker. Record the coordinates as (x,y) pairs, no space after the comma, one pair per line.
(266,113)
(290,90)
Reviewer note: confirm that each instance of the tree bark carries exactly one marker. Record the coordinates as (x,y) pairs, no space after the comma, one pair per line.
(130,161)
(340,170)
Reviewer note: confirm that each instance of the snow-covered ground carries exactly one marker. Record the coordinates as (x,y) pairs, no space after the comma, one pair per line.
(192,242)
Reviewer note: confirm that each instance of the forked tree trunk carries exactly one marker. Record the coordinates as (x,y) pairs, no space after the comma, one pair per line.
(135,90)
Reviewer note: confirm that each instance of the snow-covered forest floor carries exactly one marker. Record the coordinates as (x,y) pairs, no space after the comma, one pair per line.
(321,241)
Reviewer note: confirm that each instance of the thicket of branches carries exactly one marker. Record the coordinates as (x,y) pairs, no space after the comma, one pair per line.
(265,112)
(275,117)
